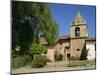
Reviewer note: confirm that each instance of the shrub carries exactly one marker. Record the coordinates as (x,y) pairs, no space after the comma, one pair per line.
(17,62)
(76,64)
(26,59)
(20,61)
(14,54)
(84,54)
(81,63)
(39,61)
(38,49)
(74,58)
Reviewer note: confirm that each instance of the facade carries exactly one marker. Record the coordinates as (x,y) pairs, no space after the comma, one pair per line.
(91,48)
(74,44)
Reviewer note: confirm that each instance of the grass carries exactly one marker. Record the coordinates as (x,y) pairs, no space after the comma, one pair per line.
(77,63)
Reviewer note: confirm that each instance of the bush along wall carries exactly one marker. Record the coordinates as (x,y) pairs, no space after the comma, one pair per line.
(21,61)
(39,61)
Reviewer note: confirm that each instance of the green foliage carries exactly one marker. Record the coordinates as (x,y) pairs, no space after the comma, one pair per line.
(30,21)
(74,58)
(84,54)
(39,61)
(49,26)
(14,55)
(20,61)
(38,49)
(76,64)
(17,62)
(27,59)
(81,63)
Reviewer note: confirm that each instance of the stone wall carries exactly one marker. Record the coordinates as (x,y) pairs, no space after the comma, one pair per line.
(76,47)
(57,48)
(83,31)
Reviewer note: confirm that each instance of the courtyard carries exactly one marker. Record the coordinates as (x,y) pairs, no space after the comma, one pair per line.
(56,66)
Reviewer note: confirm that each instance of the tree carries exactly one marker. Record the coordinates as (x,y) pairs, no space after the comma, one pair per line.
(29,22)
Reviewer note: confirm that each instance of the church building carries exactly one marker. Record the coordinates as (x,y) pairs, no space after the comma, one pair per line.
(76,45)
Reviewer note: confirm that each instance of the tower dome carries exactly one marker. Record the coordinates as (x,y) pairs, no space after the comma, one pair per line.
(78,19)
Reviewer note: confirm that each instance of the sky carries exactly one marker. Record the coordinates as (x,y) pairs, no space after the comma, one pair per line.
(64,15)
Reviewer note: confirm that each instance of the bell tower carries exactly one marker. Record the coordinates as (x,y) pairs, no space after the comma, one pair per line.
(78,35)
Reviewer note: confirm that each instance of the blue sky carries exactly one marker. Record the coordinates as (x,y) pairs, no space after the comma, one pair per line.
(64,14)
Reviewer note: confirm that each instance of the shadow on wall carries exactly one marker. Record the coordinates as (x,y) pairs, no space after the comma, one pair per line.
(84,53)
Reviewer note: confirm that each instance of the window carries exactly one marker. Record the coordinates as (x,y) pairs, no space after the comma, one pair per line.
(77,31)
(68,55)
(78,49)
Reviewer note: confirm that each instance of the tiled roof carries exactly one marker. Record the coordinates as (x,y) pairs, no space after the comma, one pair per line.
(42,40)
(91,39)
(62,37)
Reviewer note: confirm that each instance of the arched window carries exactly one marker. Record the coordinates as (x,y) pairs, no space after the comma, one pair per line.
(77,31)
